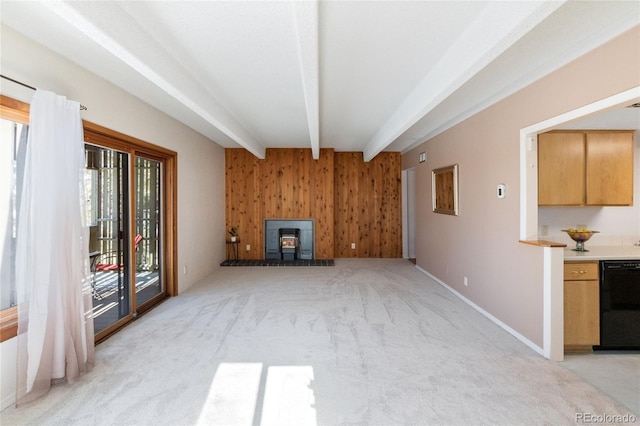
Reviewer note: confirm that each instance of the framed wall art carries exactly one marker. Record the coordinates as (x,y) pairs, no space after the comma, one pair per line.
(444,190)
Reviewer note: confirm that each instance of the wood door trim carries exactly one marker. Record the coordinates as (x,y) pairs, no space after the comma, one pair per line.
(18,111)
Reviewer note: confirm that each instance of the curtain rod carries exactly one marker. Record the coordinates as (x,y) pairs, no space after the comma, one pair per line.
(82,107)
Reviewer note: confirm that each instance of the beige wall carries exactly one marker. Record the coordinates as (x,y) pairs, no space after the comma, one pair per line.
(505,278)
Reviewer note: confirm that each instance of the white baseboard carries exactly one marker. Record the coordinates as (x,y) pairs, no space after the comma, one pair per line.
(501,324)
(7,401)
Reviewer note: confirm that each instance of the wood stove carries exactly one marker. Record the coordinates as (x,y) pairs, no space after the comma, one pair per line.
(289,243)
(289,239)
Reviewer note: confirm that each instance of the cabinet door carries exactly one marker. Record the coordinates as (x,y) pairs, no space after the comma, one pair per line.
(561,169)
(581,313)
(610,169)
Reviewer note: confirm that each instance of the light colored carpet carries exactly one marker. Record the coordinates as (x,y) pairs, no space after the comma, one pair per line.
(365,342)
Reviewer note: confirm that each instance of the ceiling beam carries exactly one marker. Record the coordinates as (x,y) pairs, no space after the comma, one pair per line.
(498,27)
(214,113)
(306,23)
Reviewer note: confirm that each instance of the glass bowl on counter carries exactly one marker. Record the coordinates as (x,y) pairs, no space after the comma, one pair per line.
(580,236)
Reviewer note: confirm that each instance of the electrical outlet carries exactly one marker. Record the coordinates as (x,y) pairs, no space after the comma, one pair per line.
(184,270)
(353,246)
(466,281)
(248,247)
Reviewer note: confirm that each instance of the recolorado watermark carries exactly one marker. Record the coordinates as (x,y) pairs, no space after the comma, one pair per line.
(589,418)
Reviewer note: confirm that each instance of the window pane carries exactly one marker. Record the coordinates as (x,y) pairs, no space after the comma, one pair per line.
(148,227)
(13,138)
(91,196)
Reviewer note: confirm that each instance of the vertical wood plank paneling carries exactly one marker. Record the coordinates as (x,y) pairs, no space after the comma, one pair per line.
(241,203)
(395,207)
(255,226)
(337,204)
(298,182)
(350,200)
(364,220)
(279,170)
(382,202)
(355,165)
(305,165)
(375,199)
(232,164)
(269,181)
(295,174)
(238,208)
(324,172)
(341,203)
(388,242)
(368,204)
(285,159)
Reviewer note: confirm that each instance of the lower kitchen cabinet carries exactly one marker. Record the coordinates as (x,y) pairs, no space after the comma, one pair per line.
(581,305)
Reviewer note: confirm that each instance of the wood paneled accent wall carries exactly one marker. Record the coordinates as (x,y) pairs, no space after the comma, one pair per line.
(290,184)
(368,205)
(287,184)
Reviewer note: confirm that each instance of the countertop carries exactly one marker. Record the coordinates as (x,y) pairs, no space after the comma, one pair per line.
(602,252)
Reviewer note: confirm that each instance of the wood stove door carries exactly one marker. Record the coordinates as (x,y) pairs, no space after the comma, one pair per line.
(272,244)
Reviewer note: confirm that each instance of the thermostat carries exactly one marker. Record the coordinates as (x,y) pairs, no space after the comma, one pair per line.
(501,190)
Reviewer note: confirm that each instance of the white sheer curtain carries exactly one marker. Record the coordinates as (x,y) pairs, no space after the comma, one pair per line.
(55,326)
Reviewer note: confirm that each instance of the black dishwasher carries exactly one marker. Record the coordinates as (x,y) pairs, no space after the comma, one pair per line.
(619,304)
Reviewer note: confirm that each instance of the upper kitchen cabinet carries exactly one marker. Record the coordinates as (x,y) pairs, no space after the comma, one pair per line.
(585,168)
(609,168)
(561,169)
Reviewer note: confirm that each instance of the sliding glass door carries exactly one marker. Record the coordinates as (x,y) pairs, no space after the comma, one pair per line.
(125,243)
(107,180)
(130,206)
(148,173)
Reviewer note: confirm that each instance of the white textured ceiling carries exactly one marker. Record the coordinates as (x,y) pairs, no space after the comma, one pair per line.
(354,76)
